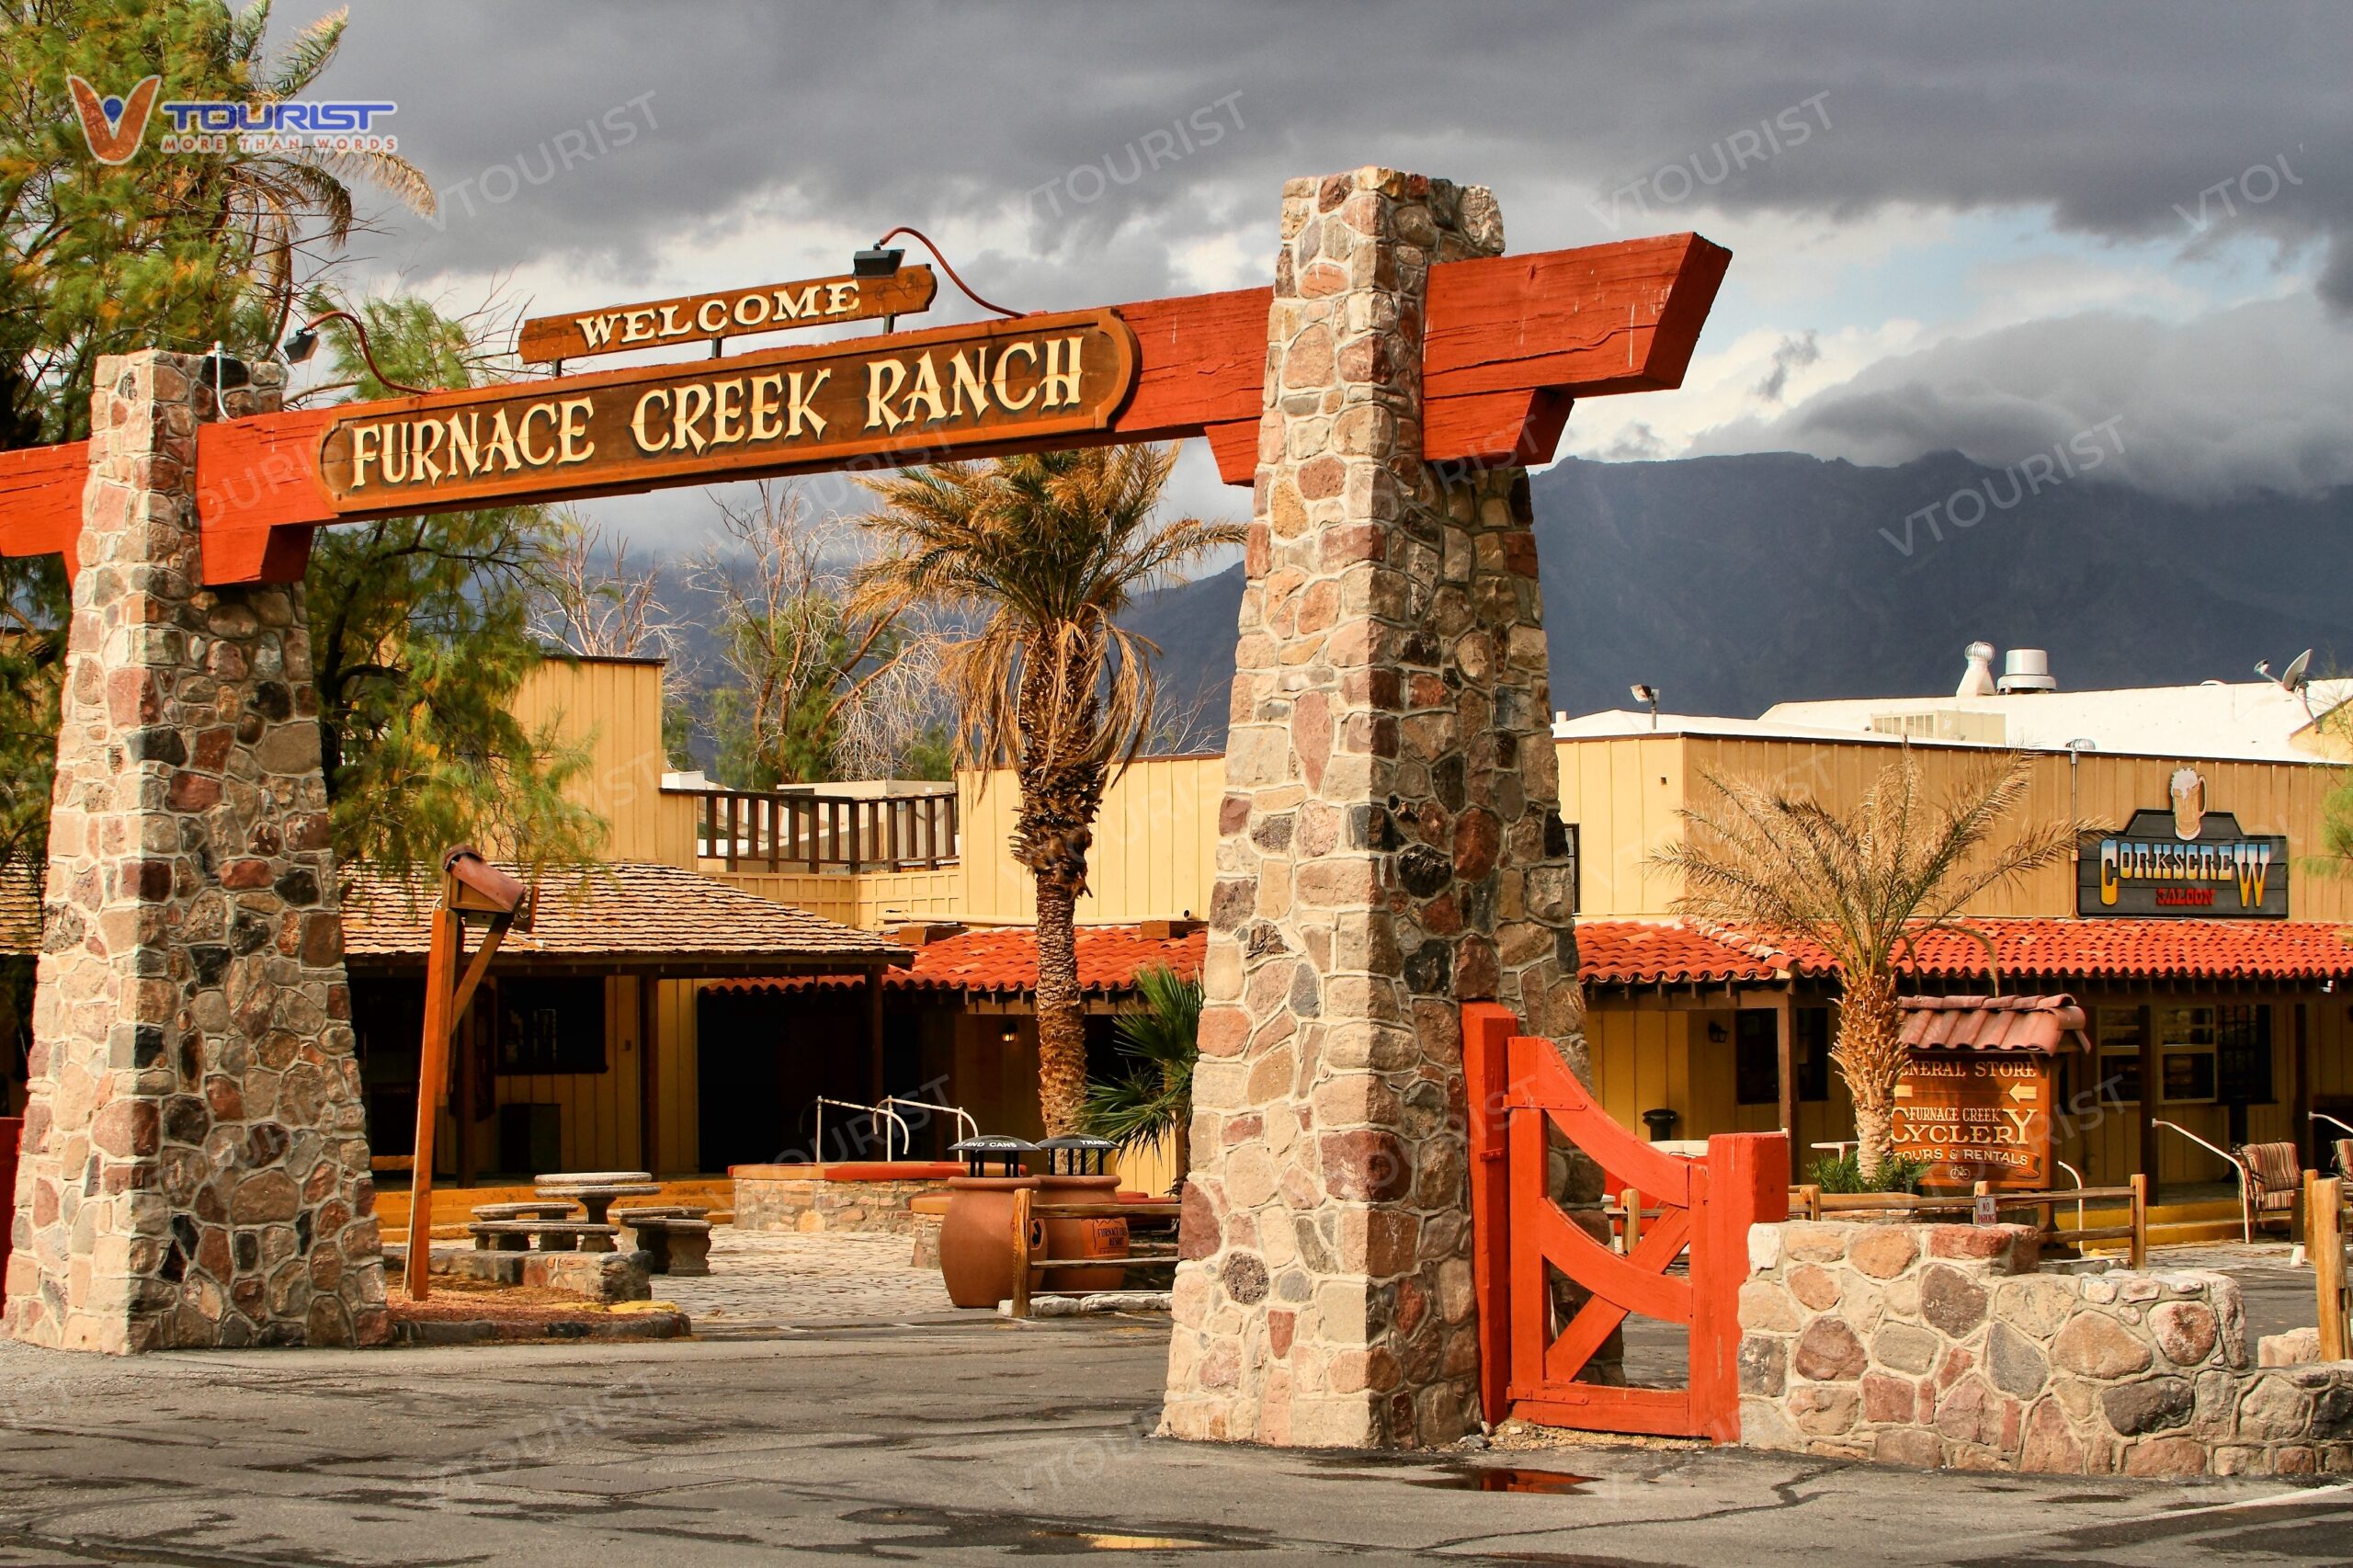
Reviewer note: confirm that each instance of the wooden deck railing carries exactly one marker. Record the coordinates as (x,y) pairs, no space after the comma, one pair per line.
(1811,1202)
(807,831)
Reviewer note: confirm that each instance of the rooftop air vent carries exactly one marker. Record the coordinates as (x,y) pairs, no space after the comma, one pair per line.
(2026,669)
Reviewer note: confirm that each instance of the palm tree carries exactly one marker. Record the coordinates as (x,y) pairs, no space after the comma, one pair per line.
(1864,885)
(1041,553)
(1161,1041)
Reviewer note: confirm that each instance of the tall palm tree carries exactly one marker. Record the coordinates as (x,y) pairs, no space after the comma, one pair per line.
(1040,554)
(1865,885)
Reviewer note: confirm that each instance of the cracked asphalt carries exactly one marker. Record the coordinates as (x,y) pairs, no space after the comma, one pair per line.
(963,1441)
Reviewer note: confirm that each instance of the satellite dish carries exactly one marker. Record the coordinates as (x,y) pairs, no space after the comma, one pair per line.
(2294,679)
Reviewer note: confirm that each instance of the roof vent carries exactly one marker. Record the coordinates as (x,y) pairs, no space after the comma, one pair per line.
(2026,669)
(1977,680)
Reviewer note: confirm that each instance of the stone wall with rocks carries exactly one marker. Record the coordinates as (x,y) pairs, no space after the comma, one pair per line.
(1946,1345)
(193,1171)
(786,1198)
(1389,847)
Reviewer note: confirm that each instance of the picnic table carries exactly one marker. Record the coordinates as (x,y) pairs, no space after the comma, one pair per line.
(595,1192)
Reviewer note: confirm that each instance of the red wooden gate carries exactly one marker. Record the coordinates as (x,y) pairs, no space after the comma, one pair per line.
(1528,1364)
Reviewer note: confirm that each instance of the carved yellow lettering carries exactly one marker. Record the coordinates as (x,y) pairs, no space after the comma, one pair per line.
(797,412)
(764,406)
(637,326)
(927,391)
(969,375)
(1061,382)
(394,463)
(1004,363)
(577,447)
(745,316)
(502,443)
(366,442)
(428,441)
(711,316)
(879,392)
(671,323)
(841,297)
(463,456)
(694,402)
(523,435)
(727,412)
(641,429)
(793,307)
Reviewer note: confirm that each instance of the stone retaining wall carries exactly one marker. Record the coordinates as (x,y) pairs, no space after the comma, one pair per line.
(767,1200)
(1945,1344)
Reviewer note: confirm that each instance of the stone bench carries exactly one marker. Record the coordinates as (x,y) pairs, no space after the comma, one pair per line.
(549,1235)
(674,1243)
(542,1211)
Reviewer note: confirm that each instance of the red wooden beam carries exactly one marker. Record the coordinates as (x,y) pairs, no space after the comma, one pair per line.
(1510,343)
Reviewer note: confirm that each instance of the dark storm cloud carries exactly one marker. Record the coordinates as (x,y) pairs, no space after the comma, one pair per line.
(2118,118)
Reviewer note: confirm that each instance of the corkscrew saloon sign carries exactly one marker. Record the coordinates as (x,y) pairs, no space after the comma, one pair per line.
(2152,869)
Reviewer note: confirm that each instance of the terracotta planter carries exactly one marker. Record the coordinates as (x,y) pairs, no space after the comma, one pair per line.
(1083,1238)
(976,1238)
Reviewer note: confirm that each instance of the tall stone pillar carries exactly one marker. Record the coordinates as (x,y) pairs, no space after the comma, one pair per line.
(1390,846)
(195,1171)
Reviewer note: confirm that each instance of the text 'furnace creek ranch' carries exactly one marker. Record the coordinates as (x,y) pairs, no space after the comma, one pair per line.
(926,393)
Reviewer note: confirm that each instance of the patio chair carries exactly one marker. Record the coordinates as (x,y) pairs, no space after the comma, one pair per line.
(2275,1179)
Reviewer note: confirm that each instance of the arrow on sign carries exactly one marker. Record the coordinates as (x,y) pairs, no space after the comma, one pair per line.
(2025,1092)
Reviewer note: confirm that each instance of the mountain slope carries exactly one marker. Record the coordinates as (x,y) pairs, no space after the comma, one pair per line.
(1734,582)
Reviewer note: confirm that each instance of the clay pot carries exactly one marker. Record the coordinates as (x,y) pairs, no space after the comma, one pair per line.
(976,1238)
(1083,1238)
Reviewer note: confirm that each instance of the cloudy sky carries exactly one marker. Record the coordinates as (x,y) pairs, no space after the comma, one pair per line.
(1983,227)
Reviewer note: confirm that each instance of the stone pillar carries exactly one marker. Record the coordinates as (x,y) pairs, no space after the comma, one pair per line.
(195,1171)
(1390,846)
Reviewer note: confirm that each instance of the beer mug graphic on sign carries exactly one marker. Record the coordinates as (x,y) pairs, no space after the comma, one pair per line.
(2188,803)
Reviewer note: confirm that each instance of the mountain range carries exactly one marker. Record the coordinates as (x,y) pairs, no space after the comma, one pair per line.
(1734,583)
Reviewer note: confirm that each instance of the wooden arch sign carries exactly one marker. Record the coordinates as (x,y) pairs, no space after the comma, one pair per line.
(1509,344)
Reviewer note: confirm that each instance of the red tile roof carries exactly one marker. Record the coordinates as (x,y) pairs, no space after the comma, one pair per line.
(1645,952)
(1003,961)
(2045,1024)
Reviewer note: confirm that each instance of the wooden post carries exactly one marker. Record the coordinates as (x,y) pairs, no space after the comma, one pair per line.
(433,1072)
(1630,1201)
(2152,1084)
(649,1072)
(1487,1029)
(874,1033)
(1786,1051)
(1021,1200)
(2139,1253)
(2324,1244)
(467,1048)
(2300,1087)
(1747,1182)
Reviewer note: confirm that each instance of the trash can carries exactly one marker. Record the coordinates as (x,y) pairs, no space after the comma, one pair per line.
(1661,1121)
(1074,1174)
(976,1233)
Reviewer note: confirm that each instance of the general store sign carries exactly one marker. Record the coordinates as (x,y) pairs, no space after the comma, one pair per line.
(702,318)
(1976,1116)
(2152,869)
(910,397)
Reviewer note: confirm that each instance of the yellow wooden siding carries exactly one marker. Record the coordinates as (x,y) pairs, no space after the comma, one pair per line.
(873,900)
(1155,845)
(1623,792)
(615,707)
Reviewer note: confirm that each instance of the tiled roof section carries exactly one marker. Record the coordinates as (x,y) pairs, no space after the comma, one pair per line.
(2045,1024)
(20,893)
(1648,952)
(1003,962)
(620,911)
(1645,952)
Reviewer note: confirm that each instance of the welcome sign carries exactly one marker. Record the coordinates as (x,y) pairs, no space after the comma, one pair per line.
(2150,870)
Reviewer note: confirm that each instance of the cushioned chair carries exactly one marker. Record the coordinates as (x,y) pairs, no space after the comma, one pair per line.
(2275,1179)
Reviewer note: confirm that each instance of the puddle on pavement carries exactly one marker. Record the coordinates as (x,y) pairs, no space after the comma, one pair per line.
(1105,1541)
(1504,1478)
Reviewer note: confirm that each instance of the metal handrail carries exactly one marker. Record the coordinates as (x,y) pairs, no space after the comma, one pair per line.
(874,1113)
(2079,1184)
(2238,1168)
(965,1125)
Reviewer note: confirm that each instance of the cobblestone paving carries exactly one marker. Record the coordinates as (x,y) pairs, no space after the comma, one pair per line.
(760,1282)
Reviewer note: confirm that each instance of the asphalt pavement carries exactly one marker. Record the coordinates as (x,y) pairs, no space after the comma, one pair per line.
(976,1440)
